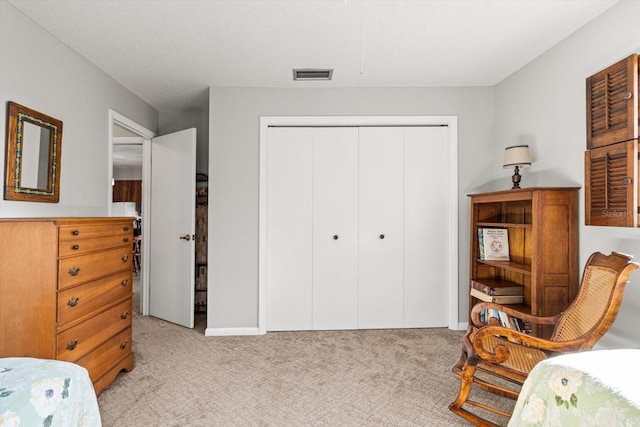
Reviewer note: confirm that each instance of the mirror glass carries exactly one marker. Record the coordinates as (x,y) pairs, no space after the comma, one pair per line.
(34,145)
(35,156)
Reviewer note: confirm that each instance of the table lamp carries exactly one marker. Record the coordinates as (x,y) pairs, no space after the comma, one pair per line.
(517,155)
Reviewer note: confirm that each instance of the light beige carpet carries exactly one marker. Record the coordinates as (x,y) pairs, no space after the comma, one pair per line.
(318,378)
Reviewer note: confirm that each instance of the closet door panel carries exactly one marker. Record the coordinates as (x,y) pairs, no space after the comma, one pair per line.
(335,228)
(380,228)
(289,232)
(425,227)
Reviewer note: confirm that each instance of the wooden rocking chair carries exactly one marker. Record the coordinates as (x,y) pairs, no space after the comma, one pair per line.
(510,355)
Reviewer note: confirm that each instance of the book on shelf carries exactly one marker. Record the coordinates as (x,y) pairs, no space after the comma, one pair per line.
(497,287)
(480,243)
(498,299)
(494,244)
(505,320)
(488,314)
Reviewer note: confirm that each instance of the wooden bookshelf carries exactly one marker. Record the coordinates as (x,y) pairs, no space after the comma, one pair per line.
(542,224)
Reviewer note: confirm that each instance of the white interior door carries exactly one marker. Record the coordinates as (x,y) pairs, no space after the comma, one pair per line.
(380,269)
(426,226)
(172,227)
(335,228)
(289,228)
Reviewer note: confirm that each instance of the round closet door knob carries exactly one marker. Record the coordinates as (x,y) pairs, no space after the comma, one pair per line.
(381,236)
(335,237)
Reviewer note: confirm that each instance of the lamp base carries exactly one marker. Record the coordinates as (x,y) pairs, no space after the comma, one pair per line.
(516,178)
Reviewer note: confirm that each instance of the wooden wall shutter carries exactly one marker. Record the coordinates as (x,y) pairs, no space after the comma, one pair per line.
(612,104)
(611,172)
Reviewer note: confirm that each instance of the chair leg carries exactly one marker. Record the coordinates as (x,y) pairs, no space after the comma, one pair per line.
(466,380)
(466,373)
(136,264)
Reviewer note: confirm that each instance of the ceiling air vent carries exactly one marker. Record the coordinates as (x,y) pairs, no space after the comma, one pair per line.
(312,74)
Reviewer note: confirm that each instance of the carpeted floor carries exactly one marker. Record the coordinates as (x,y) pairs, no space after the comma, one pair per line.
(317,378)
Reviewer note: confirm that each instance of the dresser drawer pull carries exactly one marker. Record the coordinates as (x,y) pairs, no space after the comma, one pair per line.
(74,271)
(73,302)
(126,228)
(75,247)
(125,258)
(124,282)
(126,240)
(72,345)
(124,344)
(75,232)
(124,315)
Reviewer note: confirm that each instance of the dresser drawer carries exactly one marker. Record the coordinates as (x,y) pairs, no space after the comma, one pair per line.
(82,246)
(98,362)
(92,231)
(76,303)
(81,339)
(84,268)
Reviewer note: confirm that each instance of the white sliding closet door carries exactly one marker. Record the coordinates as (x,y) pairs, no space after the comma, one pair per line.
(381,239)
(335,228)
(425,227)
(289,229)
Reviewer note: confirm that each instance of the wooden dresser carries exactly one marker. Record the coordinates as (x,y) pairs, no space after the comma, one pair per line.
(65,292)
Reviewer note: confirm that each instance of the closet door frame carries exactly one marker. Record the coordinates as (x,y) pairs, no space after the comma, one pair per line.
(336,121)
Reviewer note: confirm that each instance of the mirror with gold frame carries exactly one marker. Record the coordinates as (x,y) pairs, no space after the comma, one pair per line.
(32,162)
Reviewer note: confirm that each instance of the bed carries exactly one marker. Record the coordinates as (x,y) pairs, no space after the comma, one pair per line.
(50,393)
(591,388)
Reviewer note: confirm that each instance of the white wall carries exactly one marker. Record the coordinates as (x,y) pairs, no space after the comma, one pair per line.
(175,121)
(544,105)
(127,173)
(40,72)
(234,176)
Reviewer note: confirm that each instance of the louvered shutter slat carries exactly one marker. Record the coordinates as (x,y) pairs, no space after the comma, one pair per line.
(610,117)
(610,200)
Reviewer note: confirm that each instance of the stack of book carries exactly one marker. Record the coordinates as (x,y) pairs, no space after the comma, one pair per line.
(500,292)
(505,320)
(497,291)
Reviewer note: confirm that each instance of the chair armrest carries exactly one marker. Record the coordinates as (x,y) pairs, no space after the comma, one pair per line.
(475,314)
(500,353)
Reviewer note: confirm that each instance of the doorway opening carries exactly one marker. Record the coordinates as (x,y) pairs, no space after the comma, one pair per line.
(129,170)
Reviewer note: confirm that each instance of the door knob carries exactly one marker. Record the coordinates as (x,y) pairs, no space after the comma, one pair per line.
(186,237)
(335,237)
(381,236)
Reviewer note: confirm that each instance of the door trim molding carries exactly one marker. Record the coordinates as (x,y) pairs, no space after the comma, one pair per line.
(146,135)
(334,121)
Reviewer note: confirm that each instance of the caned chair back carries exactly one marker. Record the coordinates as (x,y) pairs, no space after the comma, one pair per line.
(598,301)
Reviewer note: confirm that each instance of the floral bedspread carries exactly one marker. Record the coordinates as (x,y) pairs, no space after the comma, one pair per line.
(592,388)
(50,393)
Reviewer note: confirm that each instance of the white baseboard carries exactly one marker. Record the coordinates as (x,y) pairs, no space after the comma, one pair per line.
(224,332)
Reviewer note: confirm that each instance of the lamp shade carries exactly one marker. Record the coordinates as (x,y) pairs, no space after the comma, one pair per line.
(517,155)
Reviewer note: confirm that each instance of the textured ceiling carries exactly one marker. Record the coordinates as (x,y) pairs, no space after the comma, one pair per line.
(169,52)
